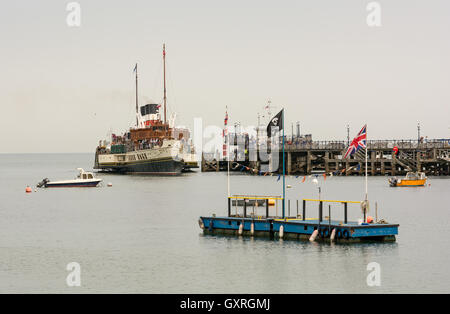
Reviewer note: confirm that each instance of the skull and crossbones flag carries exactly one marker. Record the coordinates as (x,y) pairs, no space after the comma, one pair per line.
(276,121)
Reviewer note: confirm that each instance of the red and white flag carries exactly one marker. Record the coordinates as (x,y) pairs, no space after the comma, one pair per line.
(358,142)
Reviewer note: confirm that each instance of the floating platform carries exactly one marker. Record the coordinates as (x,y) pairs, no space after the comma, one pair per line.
(299,227)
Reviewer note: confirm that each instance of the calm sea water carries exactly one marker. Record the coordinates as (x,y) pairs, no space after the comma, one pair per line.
(142,235)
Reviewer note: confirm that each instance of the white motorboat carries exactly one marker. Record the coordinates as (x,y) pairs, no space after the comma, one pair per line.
(84,179)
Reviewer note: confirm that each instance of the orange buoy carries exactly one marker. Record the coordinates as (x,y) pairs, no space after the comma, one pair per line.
(28,190)
(369,219)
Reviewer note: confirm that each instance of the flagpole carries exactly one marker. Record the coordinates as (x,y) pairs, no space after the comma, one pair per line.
(367,147)
(137,101)
(228,156)
(165,96)
(366,206)
(228,164)
(284,170)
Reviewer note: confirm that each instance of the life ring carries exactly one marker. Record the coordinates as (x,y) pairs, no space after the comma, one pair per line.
(345,234)
(339,234)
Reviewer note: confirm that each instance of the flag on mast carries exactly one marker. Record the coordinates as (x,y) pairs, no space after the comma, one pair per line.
(226,118)
(358,142)
(225,136)
(135,68)
(276,121)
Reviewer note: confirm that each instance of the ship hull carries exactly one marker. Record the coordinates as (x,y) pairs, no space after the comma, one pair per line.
(157,167)
(90,184)
(154,161)
(409,183)
(153,167)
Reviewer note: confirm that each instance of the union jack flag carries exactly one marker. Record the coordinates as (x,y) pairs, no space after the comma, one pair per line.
(358,142)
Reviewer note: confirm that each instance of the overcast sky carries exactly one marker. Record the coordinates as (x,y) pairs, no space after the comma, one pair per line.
(63,88)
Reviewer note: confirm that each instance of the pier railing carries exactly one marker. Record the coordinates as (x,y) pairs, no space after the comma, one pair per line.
(296,144)
(293,144)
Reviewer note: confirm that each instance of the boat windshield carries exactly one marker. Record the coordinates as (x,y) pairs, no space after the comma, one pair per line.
(411,176)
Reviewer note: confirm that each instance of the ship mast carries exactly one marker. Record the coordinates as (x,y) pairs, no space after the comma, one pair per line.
(165,97)
(137,104)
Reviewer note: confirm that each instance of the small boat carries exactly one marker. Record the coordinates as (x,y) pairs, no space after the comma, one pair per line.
(411,179)
(84,179)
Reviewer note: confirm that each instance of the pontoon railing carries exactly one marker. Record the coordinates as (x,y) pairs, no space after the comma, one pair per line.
(248,201)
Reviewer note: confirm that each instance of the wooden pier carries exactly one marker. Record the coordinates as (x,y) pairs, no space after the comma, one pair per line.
(306,157)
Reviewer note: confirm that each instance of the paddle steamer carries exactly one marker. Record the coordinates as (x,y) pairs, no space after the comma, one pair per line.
(147,148)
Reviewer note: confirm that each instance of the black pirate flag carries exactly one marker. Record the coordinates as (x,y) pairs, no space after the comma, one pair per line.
(276,121)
